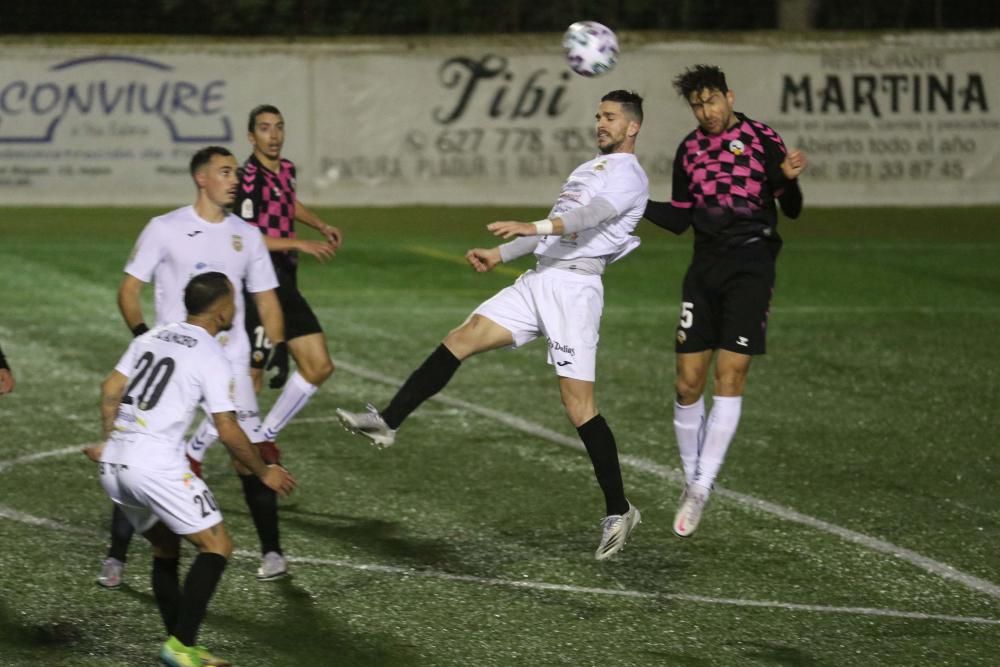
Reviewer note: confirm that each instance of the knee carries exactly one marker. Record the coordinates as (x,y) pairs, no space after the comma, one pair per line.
(221,544)
(461,341)
(730,383)
(167,551)
(689,389)
(579,411)
(317,374)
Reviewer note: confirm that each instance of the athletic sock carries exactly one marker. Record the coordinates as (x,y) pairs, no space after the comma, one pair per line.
(167,590)
(689,427)
(263,505)
(121,534)
(293,398)
(203,438)
(429,379)
(199,586)
(720,428)
(600,443)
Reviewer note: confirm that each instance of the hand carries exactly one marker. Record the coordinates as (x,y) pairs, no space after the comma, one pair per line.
(509,229)
(93,452)
(333,235)
(279,480)
(321,250)
(279,360)
(483,259)
(6,381)
(794,164)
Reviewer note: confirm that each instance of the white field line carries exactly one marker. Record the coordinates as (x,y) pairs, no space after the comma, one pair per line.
(934,567)
(523,584)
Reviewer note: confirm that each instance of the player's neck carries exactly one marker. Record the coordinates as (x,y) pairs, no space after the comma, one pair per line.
(208,210)
(205,323)
(269,164)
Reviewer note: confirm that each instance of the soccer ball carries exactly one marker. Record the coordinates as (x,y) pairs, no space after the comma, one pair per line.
(591,48)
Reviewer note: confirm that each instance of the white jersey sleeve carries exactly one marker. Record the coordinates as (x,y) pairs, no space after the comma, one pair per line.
(147,253)
(626,188)
(260,271)
(127,362)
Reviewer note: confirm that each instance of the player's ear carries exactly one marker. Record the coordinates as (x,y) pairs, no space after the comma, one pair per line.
(199,178)
(731,98)
(633,128)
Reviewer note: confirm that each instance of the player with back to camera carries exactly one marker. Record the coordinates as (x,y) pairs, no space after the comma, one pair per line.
(562,299)
(171,248)
(146,403)
(727,175)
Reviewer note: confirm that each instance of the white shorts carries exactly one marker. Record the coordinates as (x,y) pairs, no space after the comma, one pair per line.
(178,498)
(247,410)
(561,305)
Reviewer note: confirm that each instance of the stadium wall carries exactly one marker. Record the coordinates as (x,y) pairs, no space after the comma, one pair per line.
(886,119)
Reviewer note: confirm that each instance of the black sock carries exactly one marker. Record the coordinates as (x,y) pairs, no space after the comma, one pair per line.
(263,505)
(167,590)
(199,586)
(121,534)
(600,444)
(429,379)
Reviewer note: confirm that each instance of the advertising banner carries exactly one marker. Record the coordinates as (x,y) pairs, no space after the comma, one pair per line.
(884,121)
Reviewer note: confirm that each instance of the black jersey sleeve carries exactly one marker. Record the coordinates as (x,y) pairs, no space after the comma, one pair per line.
(674,215)
(247,204)
(787,192)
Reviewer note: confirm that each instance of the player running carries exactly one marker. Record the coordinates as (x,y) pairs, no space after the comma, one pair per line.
(147,402)
(562,299)
(727,174)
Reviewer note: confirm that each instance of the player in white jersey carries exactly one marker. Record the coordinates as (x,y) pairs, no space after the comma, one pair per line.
(170,250)
(147,402)
(562,299)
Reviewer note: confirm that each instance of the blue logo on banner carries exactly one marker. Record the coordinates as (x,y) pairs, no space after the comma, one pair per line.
(174,102)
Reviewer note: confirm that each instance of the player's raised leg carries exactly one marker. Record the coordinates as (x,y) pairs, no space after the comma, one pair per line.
(477,334)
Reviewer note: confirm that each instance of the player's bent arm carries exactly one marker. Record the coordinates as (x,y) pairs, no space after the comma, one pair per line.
(579,219)
(790,198)
(129,303)
(667,215)
(519,247)
(306,216)
(112,390)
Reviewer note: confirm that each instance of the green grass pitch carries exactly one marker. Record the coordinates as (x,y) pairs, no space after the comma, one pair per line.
(857,523)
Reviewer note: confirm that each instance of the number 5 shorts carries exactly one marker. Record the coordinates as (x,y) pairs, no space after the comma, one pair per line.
(563,306)
(177,497)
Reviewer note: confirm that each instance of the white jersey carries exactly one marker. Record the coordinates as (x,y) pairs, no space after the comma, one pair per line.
(617,178)
(176,246)
(170,370)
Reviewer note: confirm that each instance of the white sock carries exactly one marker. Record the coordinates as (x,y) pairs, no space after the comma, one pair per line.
(203,438)
(293,398)
(719,431)
(689,427)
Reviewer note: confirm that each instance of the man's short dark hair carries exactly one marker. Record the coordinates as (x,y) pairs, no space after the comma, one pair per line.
(630,100)
(205,155)
(204,290)
(258,110)
(698,78)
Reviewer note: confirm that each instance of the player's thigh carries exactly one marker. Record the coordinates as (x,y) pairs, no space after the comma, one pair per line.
(479,333)
(692,374)
(731,370)
(746,306)
(698,320)
(570,307)
(138,514)
(179,499)
(300,320)
(165,543)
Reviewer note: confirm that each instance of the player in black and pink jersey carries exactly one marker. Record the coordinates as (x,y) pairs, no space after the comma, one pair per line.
(727,176)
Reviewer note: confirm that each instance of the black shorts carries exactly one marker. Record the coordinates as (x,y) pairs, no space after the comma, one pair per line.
(300,321)
(725,302)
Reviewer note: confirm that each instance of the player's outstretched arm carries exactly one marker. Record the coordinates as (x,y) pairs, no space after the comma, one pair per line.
(321,250)
(130,305)
(242,450)
(483,259)
(508,229)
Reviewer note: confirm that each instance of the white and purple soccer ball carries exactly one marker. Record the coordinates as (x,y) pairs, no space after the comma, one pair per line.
(591,48)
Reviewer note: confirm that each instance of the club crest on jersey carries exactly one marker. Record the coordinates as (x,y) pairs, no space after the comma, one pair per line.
(237,243)
(681,336)
(736,147)
(600,165)
(246,212)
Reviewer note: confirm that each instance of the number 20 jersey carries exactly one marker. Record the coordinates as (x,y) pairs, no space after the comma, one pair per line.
(170,370)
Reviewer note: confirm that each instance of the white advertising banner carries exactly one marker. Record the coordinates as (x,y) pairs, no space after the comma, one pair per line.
(884,121)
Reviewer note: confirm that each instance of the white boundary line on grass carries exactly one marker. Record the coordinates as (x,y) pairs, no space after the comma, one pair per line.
(930,565)
(31,520)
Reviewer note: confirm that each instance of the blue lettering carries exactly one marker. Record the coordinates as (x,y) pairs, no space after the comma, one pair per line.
(37,96)
(23,86)
(210,95)
(108,104)
(184,91)
(74,99)
(157,106)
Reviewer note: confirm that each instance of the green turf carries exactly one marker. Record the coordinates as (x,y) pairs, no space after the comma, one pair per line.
(875,411)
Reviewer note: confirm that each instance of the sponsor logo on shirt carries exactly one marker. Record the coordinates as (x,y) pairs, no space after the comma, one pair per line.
(556,346)
(237,243)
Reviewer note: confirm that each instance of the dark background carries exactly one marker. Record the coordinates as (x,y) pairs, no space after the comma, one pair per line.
(291,18)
